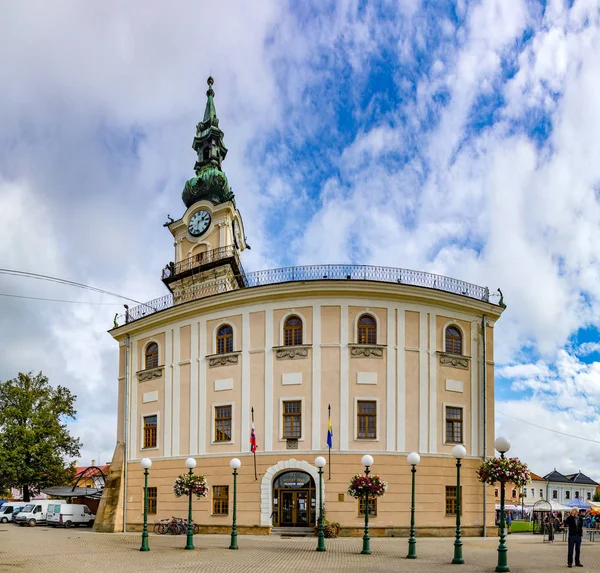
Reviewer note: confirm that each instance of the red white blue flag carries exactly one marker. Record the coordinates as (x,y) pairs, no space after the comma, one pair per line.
(252,440)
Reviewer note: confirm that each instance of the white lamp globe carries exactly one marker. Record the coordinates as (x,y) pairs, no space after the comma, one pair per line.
(459,451)
(190,463)
(146,463)
(502,444)
(413,459)
(235,464)
(320,462)
(367,460)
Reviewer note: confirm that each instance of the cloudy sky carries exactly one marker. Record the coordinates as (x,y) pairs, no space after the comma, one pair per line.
(454,137)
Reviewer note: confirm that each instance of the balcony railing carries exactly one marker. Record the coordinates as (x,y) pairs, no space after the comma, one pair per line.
(309,273)
(203,261)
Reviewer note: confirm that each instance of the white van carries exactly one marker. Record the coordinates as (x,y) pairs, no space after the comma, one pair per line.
(35,512)
(7,509)
(70,515)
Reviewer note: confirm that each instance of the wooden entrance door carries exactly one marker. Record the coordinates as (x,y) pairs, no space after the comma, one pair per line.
(295,508)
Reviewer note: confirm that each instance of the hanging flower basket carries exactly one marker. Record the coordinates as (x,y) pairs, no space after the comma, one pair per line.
(190,482)
(512,470)
(372,484)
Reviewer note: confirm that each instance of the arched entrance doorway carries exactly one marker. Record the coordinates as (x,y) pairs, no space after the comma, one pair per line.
(294,500)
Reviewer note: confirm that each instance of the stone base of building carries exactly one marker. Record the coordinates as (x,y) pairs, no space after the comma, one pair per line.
(212,529)
(468,531)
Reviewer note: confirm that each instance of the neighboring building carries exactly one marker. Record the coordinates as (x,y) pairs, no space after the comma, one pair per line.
(565,488)
(512,494)
(404,359)
(535,489)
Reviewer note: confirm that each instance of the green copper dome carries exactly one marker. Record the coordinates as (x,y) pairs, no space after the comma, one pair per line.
(210,183)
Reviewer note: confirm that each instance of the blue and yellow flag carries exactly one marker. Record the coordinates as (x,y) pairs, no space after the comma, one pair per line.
(329,434)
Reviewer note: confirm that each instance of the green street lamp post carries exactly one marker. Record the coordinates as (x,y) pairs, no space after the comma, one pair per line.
(367,461)
(190,464)
(459,452)
(413,459)
(502,445)
(234,464)
(320,462)
(146,465)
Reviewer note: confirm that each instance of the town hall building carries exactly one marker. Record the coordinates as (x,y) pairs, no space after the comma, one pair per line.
(400,360)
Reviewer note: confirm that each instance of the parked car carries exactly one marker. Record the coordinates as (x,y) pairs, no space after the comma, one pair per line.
(36,512)
(16,512)
(7,509)
(70,515)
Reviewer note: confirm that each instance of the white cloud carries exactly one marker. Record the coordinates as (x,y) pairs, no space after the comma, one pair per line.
(97,123)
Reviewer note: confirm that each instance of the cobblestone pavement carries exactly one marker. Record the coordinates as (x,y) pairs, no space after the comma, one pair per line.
(47,550)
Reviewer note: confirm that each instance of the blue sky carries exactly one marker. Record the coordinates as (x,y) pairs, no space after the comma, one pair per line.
(453,137)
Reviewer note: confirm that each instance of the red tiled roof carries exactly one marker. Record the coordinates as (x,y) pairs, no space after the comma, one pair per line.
(536,477)
(104,469)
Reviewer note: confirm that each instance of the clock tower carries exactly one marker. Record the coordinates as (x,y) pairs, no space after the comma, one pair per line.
(210,234)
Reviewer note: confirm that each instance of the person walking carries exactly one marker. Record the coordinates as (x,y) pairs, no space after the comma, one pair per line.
(575,524)
(508,521)
(549,526)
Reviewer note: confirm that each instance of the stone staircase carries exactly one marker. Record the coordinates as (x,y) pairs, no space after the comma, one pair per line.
(293,531)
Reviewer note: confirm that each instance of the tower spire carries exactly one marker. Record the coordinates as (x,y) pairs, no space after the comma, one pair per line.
(210,183)
(210,113)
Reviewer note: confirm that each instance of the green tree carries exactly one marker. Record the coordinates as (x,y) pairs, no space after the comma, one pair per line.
(596,497)
(34,438)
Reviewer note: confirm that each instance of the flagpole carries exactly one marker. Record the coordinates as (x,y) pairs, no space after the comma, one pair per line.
(329,464)
(255,475)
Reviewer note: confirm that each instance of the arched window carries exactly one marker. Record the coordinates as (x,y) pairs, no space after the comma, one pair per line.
(367,330)
(453,340)
(292,331)
(152,355)
(224,339)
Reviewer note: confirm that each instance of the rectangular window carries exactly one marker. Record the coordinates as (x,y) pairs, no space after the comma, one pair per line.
(451,500)
(222,423)
(589,496)
(514,493)
(366,419)
(372,506)
(220,500)
(496,492)
(532,492)
(567,495)
(292,419)
(524,492)
(454,425)
(150,423)
(152,496)
(576,495)
(542,494)
(554,494)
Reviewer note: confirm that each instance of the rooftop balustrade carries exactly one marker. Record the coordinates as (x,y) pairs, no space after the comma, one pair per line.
(292,274)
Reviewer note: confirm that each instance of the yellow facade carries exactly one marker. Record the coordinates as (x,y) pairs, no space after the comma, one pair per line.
(400,389)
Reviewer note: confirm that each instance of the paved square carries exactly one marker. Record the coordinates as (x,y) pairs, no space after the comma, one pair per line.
(47,550)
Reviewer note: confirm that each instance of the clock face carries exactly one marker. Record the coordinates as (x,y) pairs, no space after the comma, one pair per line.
(199,223)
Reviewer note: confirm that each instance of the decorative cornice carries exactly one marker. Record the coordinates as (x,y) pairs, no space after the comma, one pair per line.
(366,350)
(223,359)
(454,360)
(291,352)
(150,373)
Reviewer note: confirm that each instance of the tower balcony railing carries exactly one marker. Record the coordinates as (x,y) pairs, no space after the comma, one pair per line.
(203,261)
(307,273)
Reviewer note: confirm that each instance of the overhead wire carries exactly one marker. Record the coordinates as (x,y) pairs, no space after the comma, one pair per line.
(59,300)
(37,276)
(549,429)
